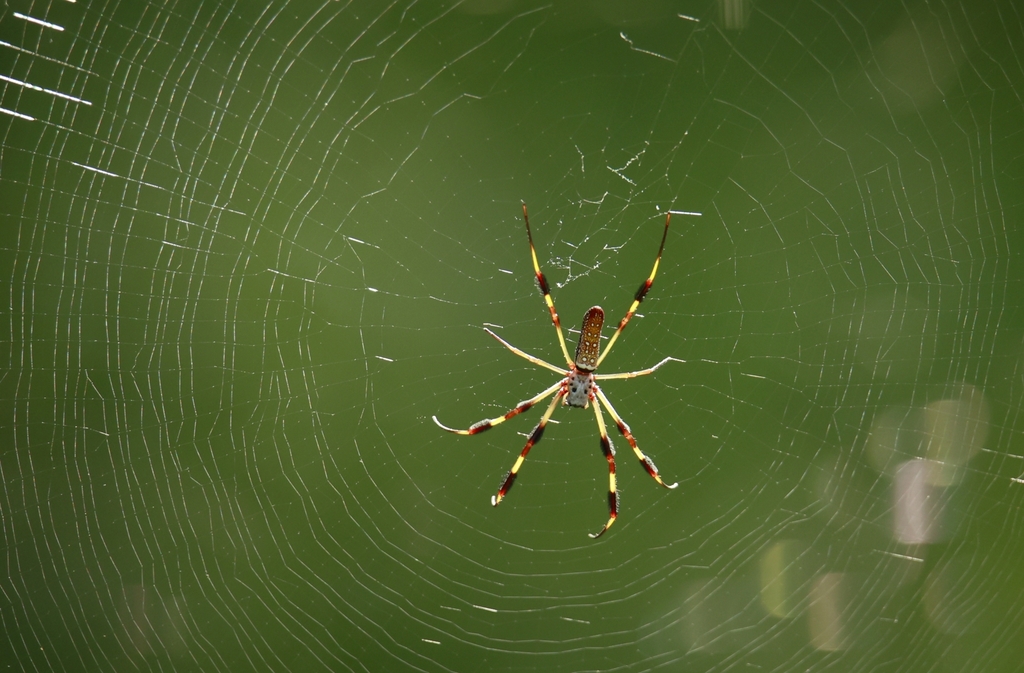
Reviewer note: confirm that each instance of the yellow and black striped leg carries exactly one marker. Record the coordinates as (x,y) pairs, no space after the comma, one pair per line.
(646,462)
(535,436)
(489,423)
(640,294)
(609,455)
(546,290)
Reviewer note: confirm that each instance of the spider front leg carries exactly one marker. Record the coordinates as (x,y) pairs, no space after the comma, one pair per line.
(489,423)
(646,462)
(535,436)
(609,455)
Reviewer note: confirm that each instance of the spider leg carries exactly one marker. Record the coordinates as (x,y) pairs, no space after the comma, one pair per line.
(546,289)
(609,454)
(535,436)
(527,356)
(640,294)
(646,462)
(489,423)
(632,375)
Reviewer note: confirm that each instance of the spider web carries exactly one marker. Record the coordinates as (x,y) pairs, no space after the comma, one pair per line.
(249,252)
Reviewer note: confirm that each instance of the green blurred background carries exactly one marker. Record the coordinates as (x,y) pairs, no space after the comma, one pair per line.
(248,252)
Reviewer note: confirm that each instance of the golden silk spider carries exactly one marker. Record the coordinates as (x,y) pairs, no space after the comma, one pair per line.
(578,386)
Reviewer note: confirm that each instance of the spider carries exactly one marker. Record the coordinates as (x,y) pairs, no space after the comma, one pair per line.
(578,386)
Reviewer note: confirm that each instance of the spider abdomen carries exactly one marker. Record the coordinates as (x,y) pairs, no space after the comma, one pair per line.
(579,388)
(589,347)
